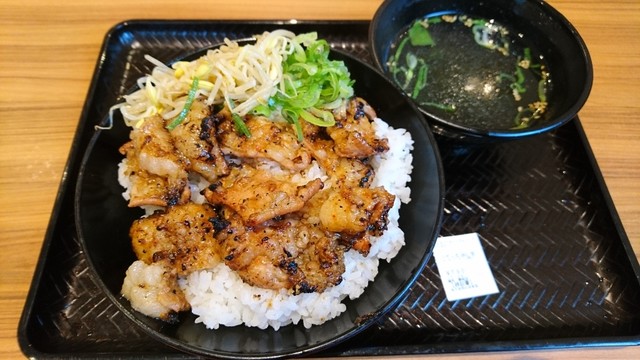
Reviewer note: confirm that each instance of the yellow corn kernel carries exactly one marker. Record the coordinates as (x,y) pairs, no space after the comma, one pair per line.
(179,68)
(206,85)
(202,71)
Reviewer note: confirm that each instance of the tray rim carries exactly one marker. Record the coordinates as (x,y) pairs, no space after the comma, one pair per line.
(615,217)
(69,175)
(63,187)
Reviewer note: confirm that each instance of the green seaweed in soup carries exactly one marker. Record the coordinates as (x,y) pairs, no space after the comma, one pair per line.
(472,72)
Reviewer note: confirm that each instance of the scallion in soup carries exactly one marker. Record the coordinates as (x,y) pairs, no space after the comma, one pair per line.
(472,72)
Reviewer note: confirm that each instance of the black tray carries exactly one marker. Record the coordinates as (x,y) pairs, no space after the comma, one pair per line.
(564,266)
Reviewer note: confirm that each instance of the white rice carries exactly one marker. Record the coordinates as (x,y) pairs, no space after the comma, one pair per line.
(218,296)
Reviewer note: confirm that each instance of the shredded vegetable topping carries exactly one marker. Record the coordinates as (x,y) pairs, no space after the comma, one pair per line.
(281,75)
(312,86)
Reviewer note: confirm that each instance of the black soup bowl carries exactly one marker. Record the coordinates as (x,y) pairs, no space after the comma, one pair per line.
(469,80)
(103,220)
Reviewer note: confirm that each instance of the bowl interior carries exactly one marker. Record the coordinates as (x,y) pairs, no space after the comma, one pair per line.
(542,26)
(103,220)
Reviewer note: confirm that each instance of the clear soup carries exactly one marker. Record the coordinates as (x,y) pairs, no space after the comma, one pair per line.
(471,71)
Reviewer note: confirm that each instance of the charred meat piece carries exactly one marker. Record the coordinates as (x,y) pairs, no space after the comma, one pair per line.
(356,210)
(195,139)
(154,291)
(156,171)
(181,238)
(353,133)
(269,139)
(155,150)
(149,189)
(288,253)
(259,195)
(357,213)
(344,172)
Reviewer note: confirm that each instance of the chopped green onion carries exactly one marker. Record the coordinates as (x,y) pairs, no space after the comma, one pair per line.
(293,117)
(187,105)
(262,109)
(480,35)
(522,125)
(419,35)
(509,77)
(241,126)
(517,80)
(326,120)
(412,62)
(312,85)
(298,130)
(542,94)
(401,46)
(444,107)
(421,82)
(527,54)
(519,75)
(520,121)
(518,87)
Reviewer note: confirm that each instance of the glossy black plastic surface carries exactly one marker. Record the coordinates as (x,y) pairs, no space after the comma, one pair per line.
(550,32)
(564,266)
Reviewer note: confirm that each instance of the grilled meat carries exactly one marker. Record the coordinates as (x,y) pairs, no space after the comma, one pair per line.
(157,173)
(267,216)
(194,138)
(259,195)
(182,238)
(272,140)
